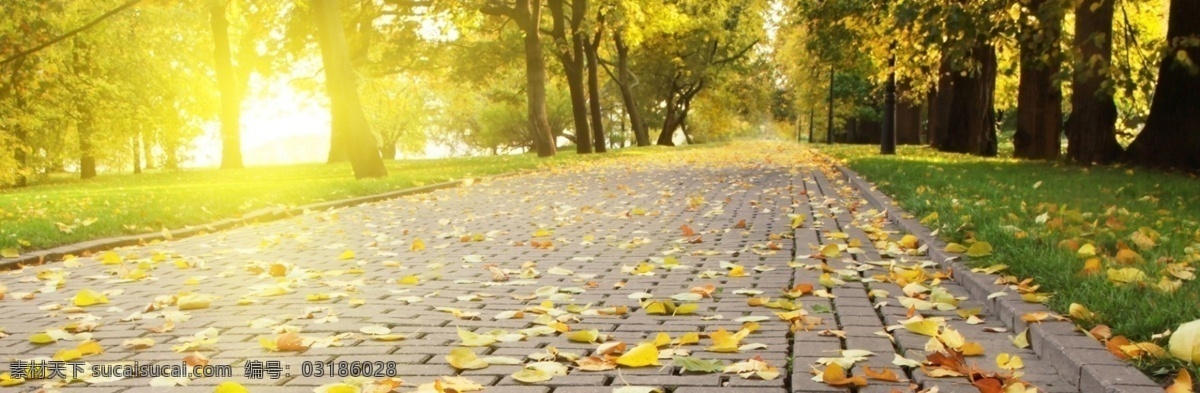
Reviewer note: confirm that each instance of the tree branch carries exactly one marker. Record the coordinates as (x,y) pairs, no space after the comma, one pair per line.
(737,55)
(498,10)
(71,33)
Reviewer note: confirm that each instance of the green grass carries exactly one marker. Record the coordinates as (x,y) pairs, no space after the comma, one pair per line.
(127,204)
(123,204)
(994,199)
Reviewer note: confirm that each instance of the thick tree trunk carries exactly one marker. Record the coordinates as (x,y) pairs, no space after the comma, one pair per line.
(908,123)
(535,92)
(1039,97)
(527,14)
(626,83)
(579,109)
(868,132)
(666,136)
(939,106)
(1171,137)
(388,150)
(1091,127)
(908,117)
(87,160)
(231,100)
(970,125)
(345,108)
(599,141)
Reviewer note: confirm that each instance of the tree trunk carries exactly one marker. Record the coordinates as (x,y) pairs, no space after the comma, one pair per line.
(231,100)
(908,117)
(87,158)
(1039,97)
(579,109)
(829,106)
(908,123)
(970,125)
(593,74)
(1171,137)
(527,15)
(388,150)
(137,153)
(669,125)
(811,113)
(626,83)
(1091,127)
(569,49)
(345,108)
(939,105)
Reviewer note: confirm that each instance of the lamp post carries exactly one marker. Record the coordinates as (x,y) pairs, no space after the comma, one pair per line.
(887,144)
(829,132)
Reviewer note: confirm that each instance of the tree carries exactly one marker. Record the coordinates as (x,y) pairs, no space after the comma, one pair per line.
(396,108)
(1091,128)
(342,88)
(626,82)
(568,46)
(1039,97)
(711,38)
(966,121)
(1171,137)
(231,100)
(527,14)
(591,49)
(958,40)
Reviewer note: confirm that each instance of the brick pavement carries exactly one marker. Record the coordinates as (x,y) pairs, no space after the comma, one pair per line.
(600,218)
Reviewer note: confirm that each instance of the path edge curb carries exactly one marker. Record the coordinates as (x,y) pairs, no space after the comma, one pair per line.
(1074,356)
(262,215)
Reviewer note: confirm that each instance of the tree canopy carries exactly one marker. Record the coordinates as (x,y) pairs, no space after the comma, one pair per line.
(129,85)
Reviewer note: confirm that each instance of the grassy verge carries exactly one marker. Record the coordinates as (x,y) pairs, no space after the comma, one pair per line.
(1038,216)
(63,210)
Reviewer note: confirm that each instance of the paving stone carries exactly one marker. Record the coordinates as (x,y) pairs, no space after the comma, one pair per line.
(598,202)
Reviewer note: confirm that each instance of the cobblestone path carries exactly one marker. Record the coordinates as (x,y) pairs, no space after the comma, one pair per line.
(587,247)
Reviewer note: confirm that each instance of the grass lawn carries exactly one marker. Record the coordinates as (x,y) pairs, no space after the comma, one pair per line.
(122,204)
(1038,215)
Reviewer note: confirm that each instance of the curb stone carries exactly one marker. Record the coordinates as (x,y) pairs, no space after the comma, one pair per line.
(262,215)
(1075,357)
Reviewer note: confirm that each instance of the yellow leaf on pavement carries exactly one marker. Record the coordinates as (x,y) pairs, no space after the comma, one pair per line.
(88,297)
(835,375)
(830,250)
(644,354)
(1009,362)
(584,336)
(465,359)
(472,339)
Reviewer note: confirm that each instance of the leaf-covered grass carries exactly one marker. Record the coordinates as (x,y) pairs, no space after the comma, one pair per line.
(124,204)
(999,200)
